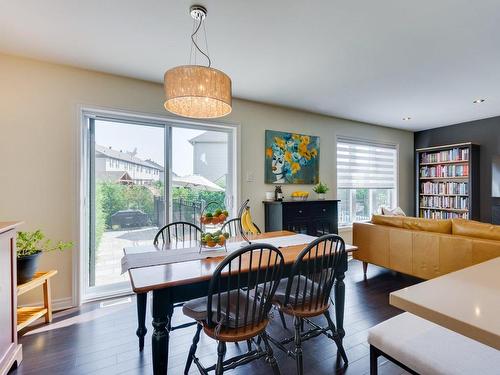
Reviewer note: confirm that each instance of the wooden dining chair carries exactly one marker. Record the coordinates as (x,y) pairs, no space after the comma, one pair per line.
(306,294)
(179,231)
(233,311)
(234,228)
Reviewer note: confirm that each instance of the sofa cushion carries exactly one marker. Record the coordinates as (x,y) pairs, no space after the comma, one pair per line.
(427,225)
(390,221)
(476,229)
(428,348)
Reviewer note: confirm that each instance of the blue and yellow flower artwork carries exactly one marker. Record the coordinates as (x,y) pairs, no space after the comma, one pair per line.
(291,158)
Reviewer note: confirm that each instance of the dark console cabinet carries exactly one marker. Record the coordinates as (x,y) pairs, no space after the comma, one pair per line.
(309,217)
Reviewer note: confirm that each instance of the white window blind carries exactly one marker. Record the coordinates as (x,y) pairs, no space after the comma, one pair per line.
(365,165)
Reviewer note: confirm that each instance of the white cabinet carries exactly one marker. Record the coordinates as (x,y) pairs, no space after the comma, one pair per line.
(10,351)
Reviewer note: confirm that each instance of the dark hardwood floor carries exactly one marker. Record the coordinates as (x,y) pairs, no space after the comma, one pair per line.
(99,338)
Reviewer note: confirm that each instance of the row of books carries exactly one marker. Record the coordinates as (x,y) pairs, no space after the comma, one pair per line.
(429,187)
(445,171)
(455,154)
(433,214)
(460,203)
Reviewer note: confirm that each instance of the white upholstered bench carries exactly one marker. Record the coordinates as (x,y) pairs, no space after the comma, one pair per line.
(422,347)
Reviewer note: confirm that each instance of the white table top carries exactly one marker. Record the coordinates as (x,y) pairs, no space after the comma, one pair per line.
(465,301)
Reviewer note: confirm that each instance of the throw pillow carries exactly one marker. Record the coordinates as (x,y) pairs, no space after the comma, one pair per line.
(392,211)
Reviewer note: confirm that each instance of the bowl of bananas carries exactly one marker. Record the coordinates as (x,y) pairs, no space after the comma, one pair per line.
(300,195)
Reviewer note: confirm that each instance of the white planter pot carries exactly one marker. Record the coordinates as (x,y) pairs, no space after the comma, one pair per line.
(321,196)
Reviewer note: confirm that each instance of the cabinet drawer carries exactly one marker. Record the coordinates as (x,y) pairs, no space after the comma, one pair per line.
(323,210)
(295,211)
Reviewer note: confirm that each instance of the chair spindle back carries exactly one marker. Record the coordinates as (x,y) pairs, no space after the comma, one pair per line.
(253,267)
(179,231)
(314,271)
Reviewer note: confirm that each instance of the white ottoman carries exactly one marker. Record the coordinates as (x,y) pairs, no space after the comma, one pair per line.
(422,347)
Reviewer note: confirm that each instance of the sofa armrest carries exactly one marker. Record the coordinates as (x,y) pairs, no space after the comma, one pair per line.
(372,242)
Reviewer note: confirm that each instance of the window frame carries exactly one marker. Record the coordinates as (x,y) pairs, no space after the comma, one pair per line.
(82,292)
(369,142)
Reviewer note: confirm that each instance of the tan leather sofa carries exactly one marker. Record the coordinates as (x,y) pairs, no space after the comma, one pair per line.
(424,248)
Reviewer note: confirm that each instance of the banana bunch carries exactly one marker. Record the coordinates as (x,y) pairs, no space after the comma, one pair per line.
(247,222)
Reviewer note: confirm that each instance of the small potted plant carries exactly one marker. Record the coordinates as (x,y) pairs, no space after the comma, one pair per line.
(29,247)
(321,190)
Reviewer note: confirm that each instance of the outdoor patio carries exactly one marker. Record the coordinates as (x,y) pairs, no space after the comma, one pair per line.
(110,252)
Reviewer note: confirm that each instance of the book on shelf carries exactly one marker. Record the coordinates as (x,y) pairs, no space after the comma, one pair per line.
(444,188)
(455,154)
(445,171)
(439,214)
(460,203)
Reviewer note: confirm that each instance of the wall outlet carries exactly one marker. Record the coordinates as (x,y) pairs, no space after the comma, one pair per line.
(250,177)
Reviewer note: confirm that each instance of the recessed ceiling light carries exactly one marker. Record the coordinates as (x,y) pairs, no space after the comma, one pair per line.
(407,118)
(481,100)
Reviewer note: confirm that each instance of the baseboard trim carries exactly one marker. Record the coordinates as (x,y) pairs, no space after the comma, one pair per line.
(57,304)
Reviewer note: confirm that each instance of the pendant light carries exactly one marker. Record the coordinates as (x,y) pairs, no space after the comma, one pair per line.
(197,91)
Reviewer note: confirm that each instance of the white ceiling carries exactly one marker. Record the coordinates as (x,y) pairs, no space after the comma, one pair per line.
(372,61)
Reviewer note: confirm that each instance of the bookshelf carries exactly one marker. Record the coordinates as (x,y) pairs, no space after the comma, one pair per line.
(447,181)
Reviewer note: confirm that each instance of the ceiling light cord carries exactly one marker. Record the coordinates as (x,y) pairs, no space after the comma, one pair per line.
(196,45)
(206,39)
(191,46)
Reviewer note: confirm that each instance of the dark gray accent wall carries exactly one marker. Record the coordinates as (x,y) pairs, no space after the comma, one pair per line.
(485,133)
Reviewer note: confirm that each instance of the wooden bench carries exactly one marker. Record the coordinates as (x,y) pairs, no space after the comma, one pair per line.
(422,347)
(27,315)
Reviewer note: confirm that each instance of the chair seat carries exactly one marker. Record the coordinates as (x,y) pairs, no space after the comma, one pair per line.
(236,334)
(428,348)
(197,309)
(309,309)
(279,296)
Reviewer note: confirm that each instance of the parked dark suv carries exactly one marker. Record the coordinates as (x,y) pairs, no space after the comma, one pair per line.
(129,219)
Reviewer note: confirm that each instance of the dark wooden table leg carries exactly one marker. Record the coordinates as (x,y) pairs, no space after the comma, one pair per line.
(339,290)
(162,313)
(142,301)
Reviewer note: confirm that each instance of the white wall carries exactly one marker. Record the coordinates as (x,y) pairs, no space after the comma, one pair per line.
(255,118)
(210,160)
(39,121)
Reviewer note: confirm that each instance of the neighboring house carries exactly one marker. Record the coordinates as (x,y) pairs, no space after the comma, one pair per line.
(110,165)
(157,166)
(210,156)
(116,177)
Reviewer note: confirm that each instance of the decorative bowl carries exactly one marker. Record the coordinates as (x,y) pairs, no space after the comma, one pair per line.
(299,199)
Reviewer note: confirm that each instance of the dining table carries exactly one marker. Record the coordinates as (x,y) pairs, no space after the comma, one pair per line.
(465,301)
(186,278)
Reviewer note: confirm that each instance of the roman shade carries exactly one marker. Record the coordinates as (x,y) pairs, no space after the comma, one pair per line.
(365,165)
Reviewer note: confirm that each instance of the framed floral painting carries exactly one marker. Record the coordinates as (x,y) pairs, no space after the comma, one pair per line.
(291,158)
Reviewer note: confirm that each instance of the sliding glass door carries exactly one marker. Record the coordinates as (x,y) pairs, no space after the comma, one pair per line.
(201,172)
(140,175)
(127,195)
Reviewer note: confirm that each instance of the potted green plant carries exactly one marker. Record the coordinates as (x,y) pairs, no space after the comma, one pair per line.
(321,190)
(29,247)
